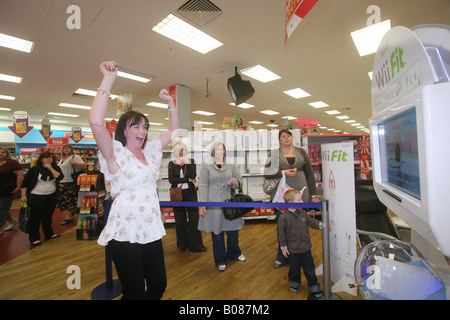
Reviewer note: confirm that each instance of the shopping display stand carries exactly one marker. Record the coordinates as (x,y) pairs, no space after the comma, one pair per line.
(111,288)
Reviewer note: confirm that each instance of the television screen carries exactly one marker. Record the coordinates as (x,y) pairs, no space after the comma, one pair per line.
(399,152)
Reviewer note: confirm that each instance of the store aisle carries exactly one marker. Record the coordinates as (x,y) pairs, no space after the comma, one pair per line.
(15,242)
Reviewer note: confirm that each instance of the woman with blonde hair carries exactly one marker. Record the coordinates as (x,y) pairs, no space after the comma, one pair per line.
(67,190)
(183,173)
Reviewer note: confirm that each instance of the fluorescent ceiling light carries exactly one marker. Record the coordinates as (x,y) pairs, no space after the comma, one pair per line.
(15,43)
(256,122)
(134,75)
(350,121)
(269,112)
(5,109)
(92,93)
(367,39)
(370,75)
(243,105)
(205,122)
(331,112)
(260,73)
(157,105)
(297,93)
(342,117)
(356,124)
(155,124)
(289,117)
(318,104)
(5,77)
(331,129)
(7,97)
(75,106)
(58,121)
(204,113)
(64,114)
(272,125)
(182,32)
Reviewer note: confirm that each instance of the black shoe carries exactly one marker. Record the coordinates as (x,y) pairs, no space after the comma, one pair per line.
(202,249)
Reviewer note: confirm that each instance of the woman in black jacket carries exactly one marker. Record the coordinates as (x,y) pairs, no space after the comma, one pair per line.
(39,191)
(183,172)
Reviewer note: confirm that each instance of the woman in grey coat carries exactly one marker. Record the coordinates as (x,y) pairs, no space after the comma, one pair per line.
(215,183)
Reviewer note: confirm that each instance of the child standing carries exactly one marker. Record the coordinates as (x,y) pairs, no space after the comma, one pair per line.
(295,243)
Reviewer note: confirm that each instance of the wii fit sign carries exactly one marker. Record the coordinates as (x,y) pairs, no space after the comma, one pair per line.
(400,68)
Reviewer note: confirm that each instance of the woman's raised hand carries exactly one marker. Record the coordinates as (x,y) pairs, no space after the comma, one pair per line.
(109,69)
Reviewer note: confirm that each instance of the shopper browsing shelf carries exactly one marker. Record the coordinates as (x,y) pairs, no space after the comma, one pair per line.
(183,174)
(294,163)
(295,243)
(11,177)
(39,191)
(134,229)
(68,191)
(215,183)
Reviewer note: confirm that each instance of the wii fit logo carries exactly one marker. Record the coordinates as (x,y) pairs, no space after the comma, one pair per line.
(336,155)
(390,69)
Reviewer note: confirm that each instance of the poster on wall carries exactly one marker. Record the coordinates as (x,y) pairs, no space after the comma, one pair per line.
(339,190)
(20,126)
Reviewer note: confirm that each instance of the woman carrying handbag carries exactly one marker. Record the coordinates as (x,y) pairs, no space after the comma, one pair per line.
(182,174)
(215,183)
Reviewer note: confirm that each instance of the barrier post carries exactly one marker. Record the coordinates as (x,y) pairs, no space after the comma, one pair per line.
(110,288)
(327,295)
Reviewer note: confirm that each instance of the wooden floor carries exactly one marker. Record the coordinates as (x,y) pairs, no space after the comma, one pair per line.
(41,273)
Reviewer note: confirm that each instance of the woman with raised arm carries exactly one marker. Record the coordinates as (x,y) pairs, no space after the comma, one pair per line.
(134,229)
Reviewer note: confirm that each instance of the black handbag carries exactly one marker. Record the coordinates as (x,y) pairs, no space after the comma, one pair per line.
(24,218)
(232,213)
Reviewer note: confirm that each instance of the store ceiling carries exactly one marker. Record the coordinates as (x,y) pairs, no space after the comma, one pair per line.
(319,57)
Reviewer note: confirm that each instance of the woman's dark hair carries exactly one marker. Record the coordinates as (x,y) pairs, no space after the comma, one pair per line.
(283,131)
(45,154)
(128,119)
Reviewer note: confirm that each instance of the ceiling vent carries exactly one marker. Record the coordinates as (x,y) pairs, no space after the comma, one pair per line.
(200,12)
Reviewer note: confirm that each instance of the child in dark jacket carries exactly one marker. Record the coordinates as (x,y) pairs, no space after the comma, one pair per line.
(295,243)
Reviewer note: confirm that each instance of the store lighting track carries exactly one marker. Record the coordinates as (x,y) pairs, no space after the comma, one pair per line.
(16,43)
(186,34)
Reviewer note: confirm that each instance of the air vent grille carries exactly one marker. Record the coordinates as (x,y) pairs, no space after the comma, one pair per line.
(200,12)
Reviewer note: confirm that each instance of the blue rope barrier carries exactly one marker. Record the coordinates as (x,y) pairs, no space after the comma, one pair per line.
(241,204)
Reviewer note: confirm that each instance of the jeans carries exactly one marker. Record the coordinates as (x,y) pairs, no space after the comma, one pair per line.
(305,261)
(222,253)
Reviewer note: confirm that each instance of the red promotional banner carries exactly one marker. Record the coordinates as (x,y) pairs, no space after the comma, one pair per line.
(296,11)
(364,157)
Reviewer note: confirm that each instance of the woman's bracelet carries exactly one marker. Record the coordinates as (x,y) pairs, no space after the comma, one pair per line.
(103,91)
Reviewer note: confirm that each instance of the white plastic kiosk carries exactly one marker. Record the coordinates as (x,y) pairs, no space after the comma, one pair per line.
(410,135)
